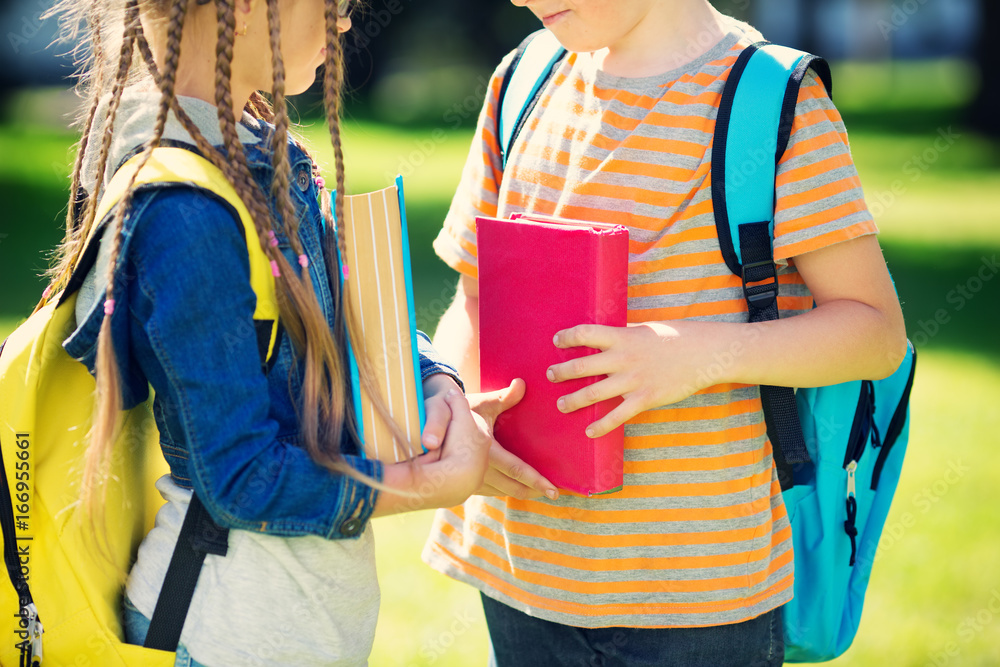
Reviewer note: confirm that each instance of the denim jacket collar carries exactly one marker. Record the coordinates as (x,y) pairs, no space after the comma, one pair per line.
(136,118)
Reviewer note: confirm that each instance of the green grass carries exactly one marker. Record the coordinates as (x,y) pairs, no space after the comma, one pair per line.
(903,86)
(34,193)
(940,233)
(426,618)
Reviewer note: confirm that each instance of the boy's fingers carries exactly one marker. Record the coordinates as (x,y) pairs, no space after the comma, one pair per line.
(498,484)
(581,367)
(491,404)
(489,490)
(512,395)
(504,399)
(512,467)
(586,335)
(613,419)
(608,388)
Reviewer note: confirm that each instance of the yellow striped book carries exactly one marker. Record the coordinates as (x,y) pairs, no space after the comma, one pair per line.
(381,286)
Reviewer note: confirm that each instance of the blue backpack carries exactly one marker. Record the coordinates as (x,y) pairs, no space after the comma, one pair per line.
(838,449)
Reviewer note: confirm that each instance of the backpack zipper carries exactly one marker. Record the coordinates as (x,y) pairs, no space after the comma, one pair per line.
(895,426)
(861,428)
(852,511)
(862,424)
(32,645)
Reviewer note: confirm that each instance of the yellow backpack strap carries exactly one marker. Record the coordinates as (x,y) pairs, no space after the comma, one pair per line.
(179,165)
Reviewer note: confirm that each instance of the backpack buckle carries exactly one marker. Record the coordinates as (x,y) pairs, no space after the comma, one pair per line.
(760,297)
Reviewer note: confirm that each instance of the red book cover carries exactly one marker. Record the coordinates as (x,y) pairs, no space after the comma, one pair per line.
(539,275)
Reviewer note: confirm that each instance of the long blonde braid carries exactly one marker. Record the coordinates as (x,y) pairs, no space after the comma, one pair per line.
(332,88)
(107,415)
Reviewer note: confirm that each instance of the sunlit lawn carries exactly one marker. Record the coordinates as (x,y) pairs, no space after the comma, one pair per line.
(934,598)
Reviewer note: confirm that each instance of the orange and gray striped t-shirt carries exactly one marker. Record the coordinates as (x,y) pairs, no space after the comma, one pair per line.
(699,534)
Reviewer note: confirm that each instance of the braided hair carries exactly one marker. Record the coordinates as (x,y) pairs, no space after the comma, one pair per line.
(325,412)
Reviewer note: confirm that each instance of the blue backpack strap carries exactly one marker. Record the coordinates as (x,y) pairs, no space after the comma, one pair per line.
(755,122)
(752,131)
(535,60)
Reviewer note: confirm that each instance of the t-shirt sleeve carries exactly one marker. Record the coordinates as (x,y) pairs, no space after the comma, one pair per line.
(478,190)
(819,197)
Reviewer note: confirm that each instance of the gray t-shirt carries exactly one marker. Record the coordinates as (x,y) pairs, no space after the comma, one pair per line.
(270,600)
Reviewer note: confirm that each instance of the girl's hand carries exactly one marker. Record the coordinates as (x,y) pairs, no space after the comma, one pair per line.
(436,410)
(507,475)
(456,471)
(648,365)
(444,477)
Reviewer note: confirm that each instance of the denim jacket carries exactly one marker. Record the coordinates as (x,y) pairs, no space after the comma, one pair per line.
(182,325)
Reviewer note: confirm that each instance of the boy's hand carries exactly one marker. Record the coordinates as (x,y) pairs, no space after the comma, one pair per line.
(648,365)
(507,474)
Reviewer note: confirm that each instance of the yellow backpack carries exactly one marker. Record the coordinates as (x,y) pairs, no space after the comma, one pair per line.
(46,409)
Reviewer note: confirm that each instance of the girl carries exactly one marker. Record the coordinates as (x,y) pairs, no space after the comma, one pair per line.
(271,456)
(690,563)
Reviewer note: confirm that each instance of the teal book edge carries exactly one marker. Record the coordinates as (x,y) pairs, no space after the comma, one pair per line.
(410,303)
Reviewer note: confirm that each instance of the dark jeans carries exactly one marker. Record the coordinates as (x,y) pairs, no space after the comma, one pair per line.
(520,640)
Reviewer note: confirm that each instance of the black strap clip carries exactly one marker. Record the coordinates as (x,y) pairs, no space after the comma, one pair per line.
(762,296)
(758,268)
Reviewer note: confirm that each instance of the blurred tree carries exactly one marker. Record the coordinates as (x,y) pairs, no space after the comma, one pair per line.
(408,60)
(984,113)
(737,8)
(808,27)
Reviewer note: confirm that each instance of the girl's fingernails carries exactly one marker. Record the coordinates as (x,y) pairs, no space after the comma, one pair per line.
(555,340)
(561,404)
(552,494)
(550,375)
(431,440)
(590,431)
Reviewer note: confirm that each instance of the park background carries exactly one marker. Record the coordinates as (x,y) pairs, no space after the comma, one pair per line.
(916,81)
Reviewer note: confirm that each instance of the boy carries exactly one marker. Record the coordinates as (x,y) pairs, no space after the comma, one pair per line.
(690,563)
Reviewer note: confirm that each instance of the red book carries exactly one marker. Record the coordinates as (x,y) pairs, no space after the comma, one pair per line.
(539,275)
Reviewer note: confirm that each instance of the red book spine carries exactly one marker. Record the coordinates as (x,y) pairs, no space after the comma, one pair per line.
(536,279)
(611,291)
